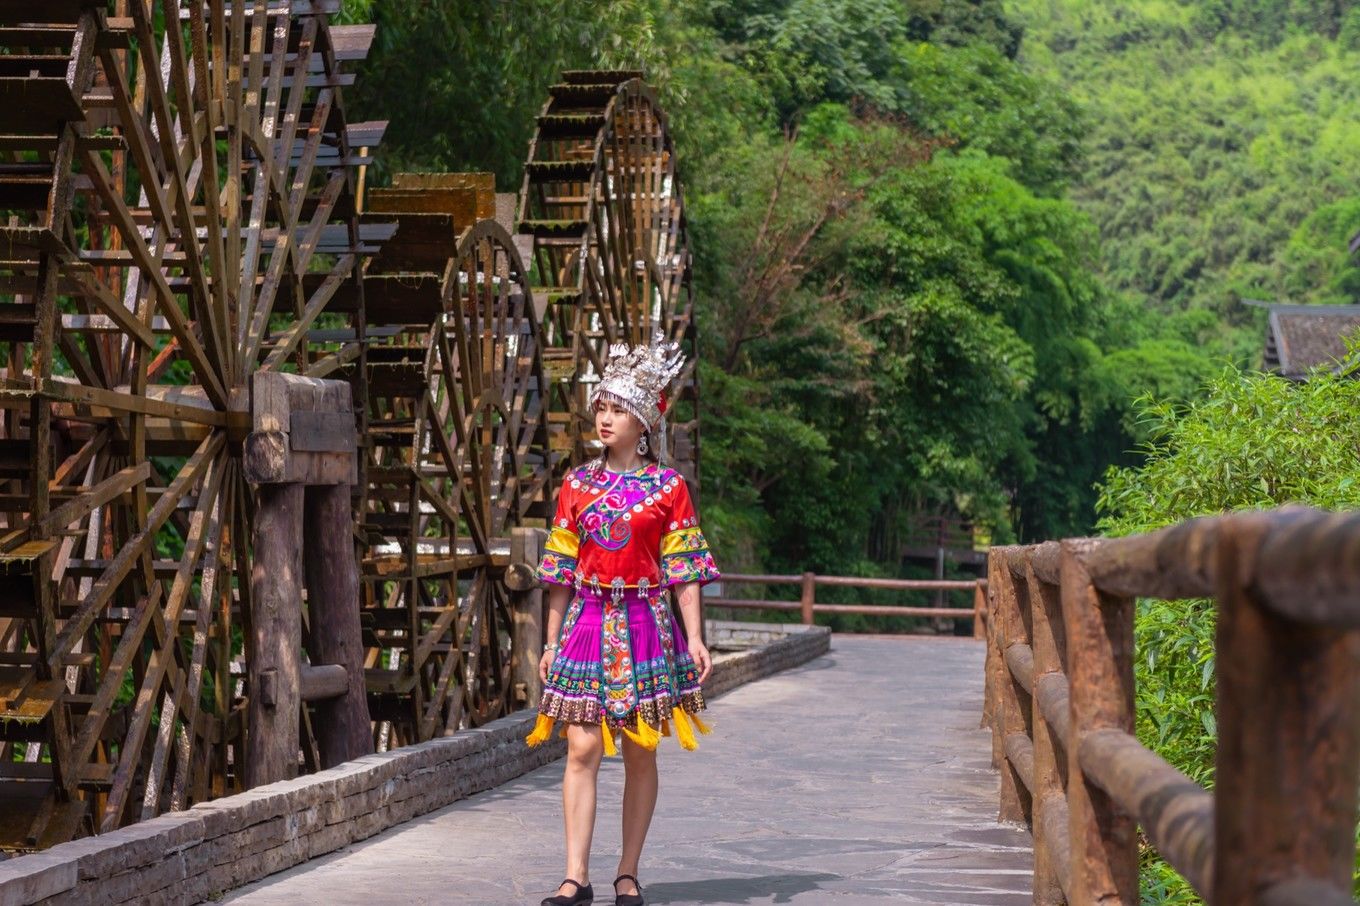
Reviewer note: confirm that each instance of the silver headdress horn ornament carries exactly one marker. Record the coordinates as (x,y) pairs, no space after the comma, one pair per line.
(636,379)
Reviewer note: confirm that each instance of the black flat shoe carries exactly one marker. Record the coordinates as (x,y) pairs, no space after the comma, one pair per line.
(627,899)
(581,897)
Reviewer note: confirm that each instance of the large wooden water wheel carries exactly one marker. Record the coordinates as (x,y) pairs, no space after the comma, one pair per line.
(458,431)
(602,204)
(179,215)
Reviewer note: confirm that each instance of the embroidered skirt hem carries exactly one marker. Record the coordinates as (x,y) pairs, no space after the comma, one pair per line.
(588,711)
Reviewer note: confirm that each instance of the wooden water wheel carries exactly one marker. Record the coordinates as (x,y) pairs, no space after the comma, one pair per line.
(602,205)
(459,437)
(179,215)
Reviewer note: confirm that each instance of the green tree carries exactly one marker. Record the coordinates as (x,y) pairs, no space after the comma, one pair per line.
(461,81)
(977,97)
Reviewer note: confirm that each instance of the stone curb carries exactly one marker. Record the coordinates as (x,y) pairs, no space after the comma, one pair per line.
(199,853)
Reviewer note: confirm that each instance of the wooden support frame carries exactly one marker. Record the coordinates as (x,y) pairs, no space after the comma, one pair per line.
(1013,701)
(530,620)
(301,459)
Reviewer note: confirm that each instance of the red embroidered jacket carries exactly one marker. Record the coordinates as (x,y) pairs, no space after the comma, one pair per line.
(630,525)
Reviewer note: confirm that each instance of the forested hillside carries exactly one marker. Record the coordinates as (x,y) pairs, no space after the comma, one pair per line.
(1221,139)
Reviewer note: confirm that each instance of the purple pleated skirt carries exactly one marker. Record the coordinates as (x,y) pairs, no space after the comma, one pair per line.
(622,657)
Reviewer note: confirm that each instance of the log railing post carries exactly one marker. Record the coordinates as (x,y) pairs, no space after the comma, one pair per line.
(1098,628)
(980,609)
(301,458)
(996,665)
(275,636)
(1046,635)
(989,686)
(1288,742)
(1013,702)
(527,603)
(809,597)
(342,726)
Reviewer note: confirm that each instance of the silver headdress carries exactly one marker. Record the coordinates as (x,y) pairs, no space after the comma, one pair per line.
(634,379)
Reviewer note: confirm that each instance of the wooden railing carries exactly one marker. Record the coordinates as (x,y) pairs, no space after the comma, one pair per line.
(808,607)
(1280,828)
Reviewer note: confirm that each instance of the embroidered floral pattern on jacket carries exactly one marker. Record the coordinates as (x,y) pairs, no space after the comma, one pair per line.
(695,567)
(557,568)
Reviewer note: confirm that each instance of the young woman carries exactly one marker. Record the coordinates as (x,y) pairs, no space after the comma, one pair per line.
(616,661)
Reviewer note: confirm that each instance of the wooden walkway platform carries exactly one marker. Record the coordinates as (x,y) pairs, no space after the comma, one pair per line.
(860,777)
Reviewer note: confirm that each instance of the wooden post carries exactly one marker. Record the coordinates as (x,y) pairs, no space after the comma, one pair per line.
(1288,741)
(1098,628)
(342,726)
(303,435)
(1013,701)
(809,596)
(1046,635)
(275,636)
(527,601)
(939,567)
(996,560)
(980,609)
(982,631)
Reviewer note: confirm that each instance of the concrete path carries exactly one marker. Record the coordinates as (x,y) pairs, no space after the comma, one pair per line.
(860,777)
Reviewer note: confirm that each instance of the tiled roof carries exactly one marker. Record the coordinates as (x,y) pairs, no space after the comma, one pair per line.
(1302,337)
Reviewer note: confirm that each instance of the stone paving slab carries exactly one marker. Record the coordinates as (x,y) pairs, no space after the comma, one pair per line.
(858,778)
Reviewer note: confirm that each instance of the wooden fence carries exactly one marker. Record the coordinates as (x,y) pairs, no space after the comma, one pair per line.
(808,607)
(1280,828)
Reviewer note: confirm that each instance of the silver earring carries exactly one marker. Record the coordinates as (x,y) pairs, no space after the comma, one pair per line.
(642,445)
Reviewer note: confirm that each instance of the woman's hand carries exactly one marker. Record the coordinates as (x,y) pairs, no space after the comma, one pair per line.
(699,651)
(545,662)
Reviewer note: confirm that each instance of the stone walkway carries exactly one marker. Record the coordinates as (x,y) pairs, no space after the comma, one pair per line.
(860,777)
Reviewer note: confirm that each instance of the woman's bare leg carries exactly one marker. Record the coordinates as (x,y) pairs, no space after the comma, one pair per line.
(639,801)
(585,747)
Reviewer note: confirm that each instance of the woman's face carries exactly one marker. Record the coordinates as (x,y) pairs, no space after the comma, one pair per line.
(617,428)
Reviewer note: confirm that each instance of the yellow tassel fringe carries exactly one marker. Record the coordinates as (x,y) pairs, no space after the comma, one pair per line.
(683,731)
(644,734)
(609,747)
(542,730)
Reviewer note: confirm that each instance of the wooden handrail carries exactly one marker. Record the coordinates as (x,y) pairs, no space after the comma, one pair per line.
(808,607)
(1059,701)
(857,582)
